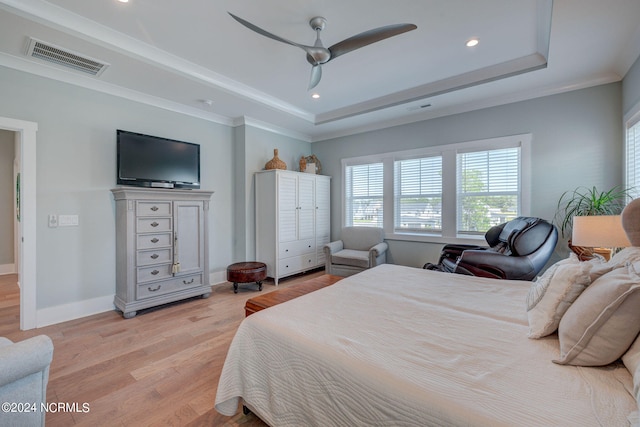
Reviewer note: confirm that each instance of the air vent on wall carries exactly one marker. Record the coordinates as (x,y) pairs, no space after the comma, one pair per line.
(65,57)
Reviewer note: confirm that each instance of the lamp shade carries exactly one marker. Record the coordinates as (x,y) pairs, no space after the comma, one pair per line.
(599,231)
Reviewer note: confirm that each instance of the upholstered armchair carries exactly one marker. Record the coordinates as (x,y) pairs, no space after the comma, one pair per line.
(24,374)
(518,250)
(358,249)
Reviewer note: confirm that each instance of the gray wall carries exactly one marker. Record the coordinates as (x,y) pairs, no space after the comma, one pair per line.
(7,213)
(76,155)
(253,148)
(577,141)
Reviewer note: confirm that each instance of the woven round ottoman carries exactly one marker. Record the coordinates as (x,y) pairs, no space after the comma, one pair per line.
(246,272)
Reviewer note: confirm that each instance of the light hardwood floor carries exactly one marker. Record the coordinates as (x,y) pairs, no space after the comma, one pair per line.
(160,368)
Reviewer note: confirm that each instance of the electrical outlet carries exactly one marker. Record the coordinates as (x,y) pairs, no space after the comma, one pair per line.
(53,220)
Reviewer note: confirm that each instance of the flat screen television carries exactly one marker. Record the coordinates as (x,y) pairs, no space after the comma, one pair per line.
(151,161)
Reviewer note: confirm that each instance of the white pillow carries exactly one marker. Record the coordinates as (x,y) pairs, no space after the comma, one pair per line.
(603,322)
(552,293)
(631,360)
(626,255)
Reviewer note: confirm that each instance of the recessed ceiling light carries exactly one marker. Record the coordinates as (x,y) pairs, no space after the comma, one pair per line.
(315,95)
(123,1)
(472,42)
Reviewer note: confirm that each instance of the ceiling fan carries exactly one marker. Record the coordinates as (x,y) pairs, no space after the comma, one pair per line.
(318,54)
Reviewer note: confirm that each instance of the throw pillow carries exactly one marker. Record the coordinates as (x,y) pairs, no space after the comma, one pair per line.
(602,323)
(552,293)
(631,360)
(626,255)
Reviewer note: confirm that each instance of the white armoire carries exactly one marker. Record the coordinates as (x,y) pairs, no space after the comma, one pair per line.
(162,249)
(292,221)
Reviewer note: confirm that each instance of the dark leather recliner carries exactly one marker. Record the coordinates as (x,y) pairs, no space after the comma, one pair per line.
(518,250)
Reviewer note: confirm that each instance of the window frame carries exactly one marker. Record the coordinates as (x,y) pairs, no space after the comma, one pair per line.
(631,119)
(449,190)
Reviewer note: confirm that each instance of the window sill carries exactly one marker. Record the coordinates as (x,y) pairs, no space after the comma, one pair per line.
(436,239)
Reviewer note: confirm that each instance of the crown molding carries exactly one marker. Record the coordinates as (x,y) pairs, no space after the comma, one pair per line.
(473,78)
(58,18)
(476,105)
(248,121)
(76,79)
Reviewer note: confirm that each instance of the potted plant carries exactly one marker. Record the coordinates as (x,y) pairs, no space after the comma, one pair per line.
(585,201)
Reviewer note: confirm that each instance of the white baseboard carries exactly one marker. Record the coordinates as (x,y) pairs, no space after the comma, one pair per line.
(7,269)
(65,312)
(75,310)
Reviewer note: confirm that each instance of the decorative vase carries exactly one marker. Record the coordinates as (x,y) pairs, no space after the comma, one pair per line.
(275,163)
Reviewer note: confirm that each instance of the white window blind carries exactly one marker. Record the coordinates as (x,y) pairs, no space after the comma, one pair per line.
(364,195)
(488,188)
(418,194)
(633,159)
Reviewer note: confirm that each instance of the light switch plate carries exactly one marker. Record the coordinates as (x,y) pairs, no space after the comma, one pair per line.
(53,220)
(67,220)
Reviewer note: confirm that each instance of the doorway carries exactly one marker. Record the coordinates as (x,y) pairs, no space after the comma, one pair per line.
(25,255)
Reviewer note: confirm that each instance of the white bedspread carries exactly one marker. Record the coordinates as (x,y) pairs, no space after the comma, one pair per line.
(400,346)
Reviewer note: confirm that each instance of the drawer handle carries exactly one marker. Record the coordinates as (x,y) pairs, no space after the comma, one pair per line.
(189,282)
(154,256)
(154,272)
(154,208)
(286,250)
(154,289)
(154,224)
(155,240)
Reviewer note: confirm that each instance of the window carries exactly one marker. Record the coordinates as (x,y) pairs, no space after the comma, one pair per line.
(633,157)
(442,193)
(364,195)
(488,188)
(418,194)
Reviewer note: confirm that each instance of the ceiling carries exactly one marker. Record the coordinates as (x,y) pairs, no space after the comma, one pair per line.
(179,54)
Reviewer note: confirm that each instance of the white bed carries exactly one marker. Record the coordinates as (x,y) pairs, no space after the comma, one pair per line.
(400,346)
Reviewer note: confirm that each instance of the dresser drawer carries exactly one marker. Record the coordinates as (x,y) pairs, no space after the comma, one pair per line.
(299,247)
(153,209)
(160,256)
(176,284)
(154,272)
(151,241)
(296,263)
(149,225)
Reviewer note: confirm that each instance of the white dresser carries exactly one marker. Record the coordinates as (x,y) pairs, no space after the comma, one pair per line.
(162,250)
(292,221)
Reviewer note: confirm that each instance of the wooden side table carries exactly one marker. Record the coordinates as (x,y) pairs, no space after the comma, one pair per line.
(246,272)
(282,295)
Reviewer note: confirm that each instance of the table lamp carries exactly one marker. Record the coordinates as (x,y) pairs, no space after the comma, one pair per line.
(600,232)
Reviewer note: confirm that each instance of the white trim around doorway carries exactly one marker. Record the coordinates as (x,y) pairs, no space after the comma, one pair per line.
(26,132)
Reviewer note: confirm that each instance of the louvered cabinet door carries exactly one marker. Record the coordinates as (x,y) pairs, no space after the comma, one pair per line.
(322,216)
(287,210)
(306,206)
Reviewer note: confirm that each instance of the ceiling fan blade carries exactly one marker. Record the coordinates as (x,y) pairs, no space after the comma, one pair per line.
(315,54)
(368,37)
(316,75)
(262,32)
